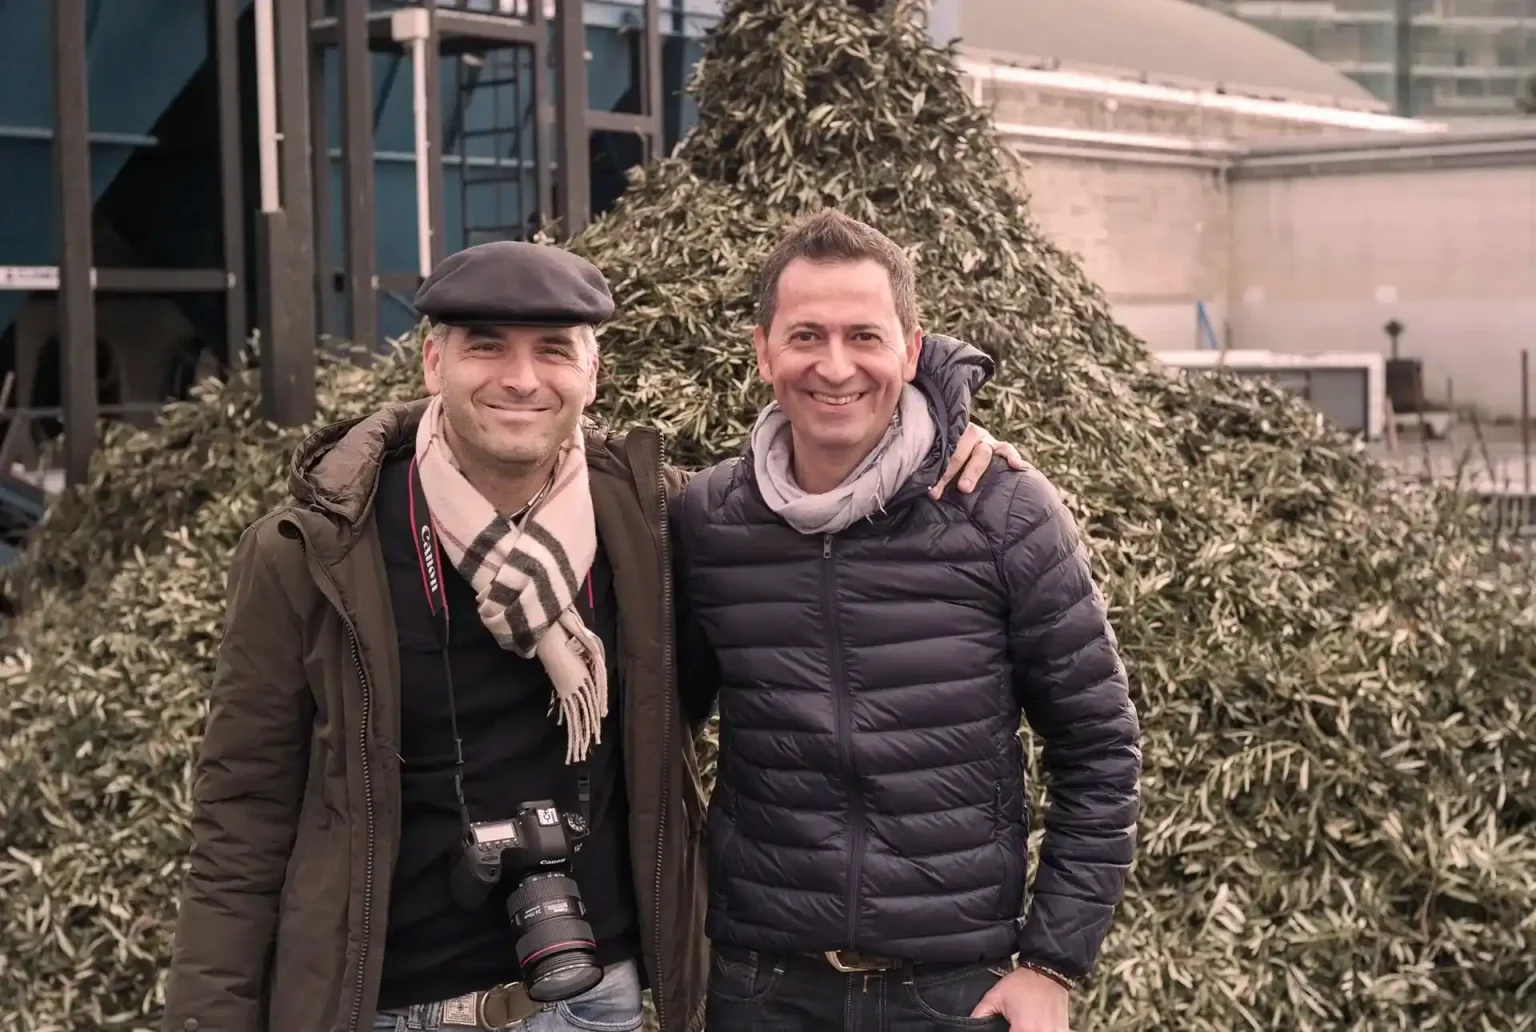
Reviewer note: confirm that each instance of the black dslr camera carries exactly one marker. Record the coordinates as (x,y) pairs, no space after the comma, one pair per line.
(554,945)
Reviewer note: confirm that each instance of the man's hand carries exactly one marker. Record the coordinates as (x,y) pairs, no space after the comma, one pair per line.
(1028,1000)
(973,454)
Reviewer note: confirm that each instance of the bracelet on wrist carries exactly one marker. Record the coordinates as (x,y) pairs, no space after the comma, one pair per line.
(1060,979)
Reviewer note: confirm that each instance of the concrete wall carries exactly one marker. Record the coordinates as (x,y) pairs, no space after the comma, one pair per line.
(1155,237)
(1322,262)
(1315,253)
(1132,179)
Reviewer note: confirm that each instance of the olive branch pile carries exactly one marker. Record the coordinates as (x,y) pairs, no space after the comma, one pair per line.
(1336,676)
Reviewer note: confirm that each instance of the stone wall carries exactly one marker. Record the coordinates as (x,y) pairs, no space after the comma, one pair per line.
(1300,262)
(1155,237)
(1324,262)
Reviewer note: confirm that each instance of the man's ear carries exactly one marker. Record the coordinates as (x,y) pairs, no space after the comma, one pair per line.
(432,358)
(760,345)
(914,349)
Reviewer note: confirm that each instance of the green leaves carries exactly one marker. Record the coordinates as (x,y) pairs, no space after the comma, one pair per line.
(1334,673)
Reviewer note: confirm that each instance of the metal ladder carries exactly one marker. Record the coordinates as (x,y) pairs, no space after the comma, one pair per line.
(495,128)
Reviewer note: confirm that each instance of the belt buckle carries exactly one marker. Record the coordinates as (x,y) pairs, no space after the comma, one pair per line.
(504,1005)
(835,958)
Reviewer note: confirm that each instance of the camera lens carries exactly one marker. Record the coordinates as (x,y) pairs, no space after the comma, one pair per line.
(555,947)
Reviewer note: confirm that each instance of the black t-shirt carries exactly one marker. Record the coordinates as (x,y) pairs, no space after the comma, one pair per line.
(514,752)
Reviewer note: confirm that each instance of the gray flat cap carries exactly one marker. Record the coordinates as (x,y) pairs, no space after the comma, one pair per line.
(511,283)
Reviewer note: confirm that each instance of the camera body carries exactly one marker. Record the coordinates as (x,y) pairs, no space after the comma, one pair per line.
(534,837)
(555,945)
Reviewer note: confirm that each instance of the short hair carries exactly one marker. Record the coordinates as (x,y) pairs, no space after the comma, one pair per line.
(439,332)
(829,236)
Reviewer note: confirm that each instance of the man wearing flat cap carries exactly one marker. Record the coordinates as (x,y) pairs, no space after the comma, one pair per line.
(448,779)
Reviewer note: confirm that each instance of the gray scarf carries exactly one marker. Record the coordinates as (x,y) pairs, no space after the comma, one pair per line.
(864,492)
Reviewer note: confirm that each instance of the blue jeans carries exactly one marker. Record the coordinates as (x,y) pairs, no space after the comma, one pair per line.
(613,1005)
(759,992)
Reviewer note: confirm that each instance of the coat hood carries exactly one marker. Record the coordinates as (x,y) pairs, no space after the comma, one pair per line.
(949,373)
(337,467)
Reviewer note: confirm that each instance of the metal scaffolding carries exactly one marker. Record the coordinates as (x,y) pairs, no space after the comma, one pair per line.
(294,273)
(424,32)
(74,200)
(76,280)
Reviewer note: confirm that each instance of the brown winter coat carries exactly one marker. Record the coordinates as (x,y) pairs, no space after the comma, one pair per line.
(296,804)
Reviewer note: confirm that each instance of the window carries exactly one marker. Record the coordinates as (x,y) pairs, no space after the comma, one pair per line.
(1432,47)
(1504,86)
(1377,42)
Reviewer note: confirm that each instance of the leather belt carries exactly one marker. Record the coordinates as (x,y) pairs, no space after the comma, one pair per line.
(852,962)
(491,1009)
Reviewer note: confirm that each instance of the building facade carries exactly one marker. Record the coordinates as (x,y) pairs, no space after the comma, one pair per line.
(1260,215)
(1430,58)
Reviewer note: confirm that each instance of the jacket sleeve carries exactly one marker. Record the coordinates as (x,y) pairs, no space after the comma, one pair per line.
(247,789)
(1071,685)
(698,673)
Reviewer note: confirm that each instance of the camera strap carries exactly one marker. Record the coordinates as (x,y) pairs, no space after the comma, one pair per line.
(431,558)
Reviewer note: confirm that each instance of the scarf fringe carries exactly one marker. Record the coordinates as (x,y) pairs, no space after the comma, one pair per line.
(583,703)
(583,721)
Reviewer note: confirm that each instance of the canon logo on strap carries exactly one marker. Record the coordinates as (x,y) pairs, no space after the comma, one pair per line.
(429,557)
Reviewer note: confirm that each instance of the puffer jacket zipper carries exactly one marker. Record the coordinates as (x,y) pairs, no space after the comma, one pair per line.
(842,703)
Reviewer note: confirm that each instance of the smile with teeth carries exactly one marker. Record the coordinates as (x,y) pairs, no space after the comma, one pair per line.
(837,399)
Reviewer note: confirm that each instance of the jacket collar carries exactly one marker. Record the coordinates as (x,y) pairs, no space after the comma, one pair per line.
(949,373)
(336,469)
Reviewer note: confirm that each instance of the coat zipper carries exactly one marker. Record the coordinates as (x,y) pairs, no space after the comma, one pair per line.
(843,706)
(362,741)
(659,995)
(362,736)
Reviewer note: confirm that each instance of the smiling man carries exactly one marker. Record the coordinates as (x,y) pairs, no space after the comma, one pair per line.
(421,666)
(876,646)
(448,778)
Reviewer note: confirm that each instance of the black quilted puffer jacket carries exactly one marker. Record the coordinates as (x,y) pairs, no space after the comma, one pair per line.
(871,788)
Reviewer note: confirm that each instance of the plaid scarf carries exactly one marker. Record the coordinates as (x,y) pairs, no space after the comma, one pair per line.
(526,575)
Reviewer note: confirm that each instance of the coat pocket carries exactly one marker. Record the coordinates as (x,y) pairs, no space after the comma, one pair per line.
(312,932)
(1014,843)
